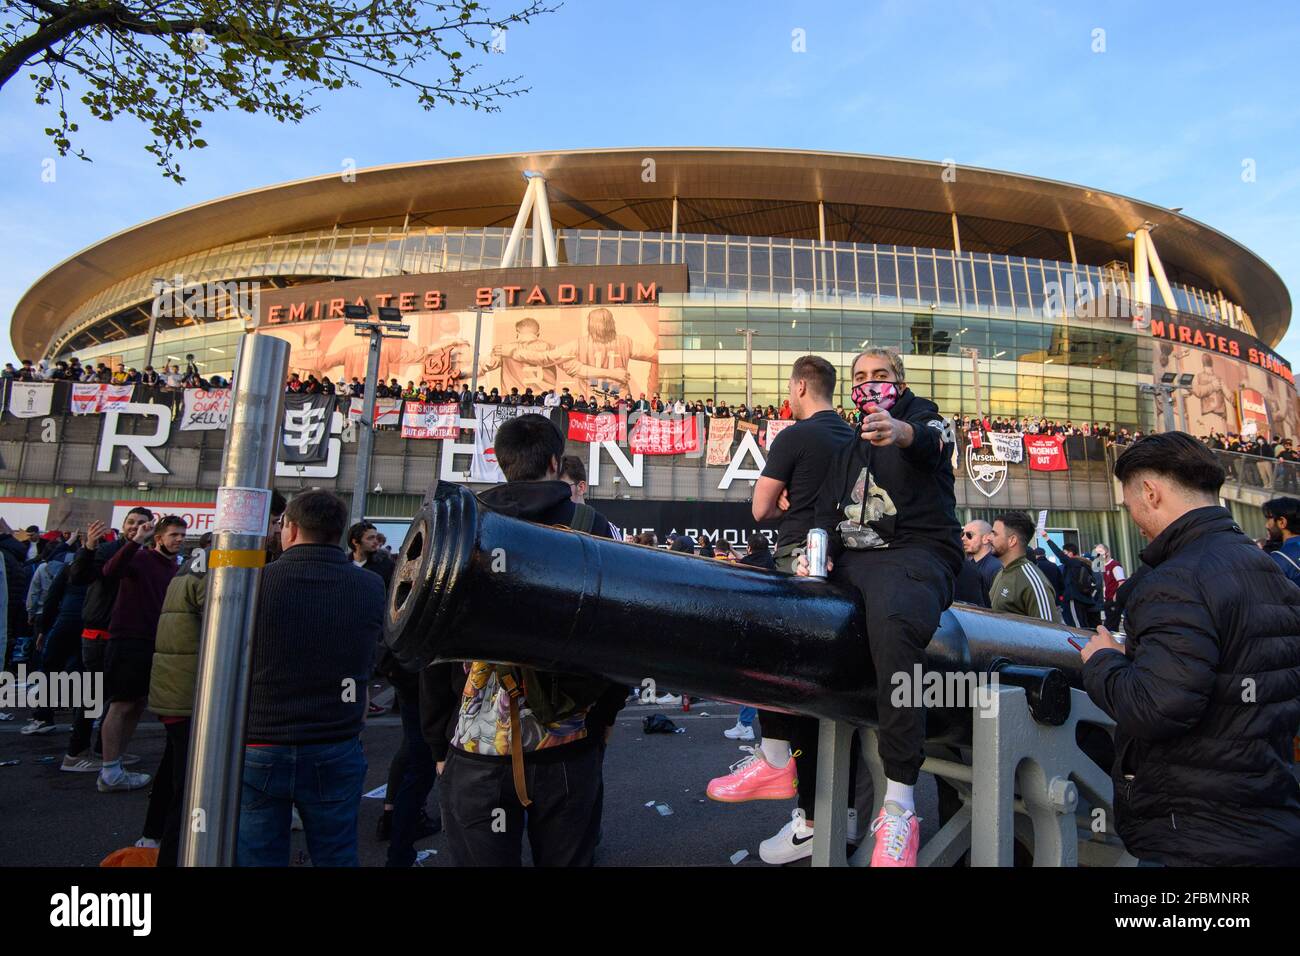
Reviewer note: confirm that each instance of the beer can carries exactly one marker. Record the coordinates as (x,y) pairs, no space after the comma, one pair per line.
(818,546)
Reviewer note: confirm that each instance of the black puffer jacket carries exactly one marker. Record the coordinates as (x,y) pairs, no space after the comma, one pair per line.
(18,575)
(1206,700)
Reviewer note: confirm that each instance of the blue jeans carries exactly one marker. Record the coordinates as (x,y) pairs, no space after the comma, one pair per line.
(747,715)
(323,780)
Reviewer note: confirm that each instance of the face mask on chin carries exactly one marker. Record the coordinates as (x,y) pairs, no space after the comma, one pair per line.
(882,394)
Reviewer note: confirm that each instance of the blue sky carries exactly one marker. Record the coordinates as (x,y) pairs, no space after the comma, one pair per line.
(1183,93)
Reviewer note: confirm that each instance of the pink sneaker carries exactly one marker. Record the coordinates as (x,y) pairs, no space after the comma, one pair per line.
(755,779)
(898,836)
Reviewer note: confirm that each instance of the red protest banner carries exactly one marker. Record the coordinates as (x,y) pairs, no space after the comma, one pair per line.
(596,428)
(664,436)
(1046,453)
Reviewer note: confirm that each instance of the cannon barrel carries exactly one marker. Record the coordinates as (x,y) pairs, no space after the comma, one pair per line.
(472,584)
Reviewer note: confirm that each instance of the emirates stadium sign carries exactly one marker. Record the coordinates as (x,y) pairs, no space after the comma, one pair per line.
(479,289)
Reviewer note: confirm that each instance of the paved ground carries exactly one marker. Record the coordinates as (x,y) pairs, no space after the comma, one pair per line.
(48,818)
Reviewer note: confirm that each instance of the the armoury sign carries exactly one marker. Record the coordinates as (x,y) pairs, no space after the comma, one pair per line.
(987,472)
(483,289)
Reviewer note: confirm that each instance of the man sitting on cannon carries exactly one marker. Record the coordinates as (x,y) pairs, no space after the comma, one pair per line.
(889,506)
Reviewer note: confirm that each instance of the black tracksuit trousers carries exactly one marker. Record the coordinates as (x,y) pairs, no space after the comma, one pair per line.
(904,591)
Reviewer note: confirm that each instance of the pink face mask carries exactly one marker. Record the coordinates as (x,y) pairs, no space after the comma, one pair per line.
(883,394)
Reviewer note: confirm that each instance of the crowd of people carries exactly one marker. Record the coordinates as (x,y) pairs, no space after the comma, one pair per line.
(518,750)
(170,378)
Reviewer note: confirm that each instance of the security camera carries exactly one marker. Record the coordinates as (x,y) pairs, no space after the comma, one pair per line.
(379,489)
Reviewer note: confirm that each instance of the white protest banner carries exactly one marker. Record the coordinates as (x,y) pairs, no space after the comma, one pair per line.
(205,410)
(115,396)
(487,419)
(722,431)
(388,411)
(1008,446)
(85,399)
(426,420)
(774,427)
(30,399)
(95,398)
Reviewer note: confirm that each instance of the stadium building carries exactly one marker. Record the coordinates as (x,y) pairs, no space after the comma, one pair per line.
(1009,296)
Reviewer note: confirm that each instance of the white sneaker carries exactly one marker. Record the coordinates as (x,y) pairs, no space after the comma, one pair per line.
(793,842)
(739,732)
(127,781)
(35,726)
(147,843)
(668,700)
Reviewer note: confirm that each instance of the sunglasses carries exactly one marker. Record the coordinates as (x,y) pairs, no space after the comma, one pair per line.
(968,534)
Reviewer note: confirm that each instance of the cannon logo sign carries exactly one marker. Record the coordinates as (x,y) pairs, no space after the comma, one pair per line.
(986,471)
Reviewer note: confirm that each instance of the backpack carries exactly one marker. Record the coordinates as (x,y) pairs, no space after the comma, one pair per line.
(1084,583)
(550,696)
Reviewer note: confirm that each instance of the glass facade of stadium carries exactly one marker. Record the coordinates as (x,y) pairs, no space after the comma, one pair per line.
(798,296)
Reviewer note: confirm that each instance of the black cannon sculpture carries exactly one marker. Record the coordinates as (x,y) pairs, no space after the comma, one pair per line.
(471,584)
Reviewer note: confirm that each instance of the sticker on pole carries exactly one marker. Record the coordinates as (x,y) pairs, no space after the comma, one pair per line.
(242,511)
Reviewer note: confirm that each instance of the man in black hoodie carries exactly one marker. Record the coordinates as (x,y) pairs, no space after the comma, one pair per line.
(889,507)
(485,782)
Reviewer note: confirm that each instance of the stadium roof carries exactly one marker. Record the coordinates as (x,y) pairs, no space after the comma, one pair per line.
(719,190)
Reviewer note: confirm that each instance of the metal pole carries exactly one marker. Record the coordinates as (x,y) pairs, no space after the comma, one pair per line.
(975,367)
(478,330)
(158,285)
(749,366)
(366,437)
(216,758)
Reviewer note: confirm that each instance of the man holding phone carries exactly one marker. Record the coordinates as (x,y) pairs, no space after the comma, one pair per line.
(889,506)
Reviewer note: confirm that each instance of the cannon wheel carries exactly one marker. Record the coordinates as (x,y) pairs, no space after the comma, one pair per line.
(410,595)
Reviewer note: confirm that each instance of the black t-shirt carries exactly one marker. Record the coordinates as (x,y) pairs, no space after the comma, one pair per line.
(799,457)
